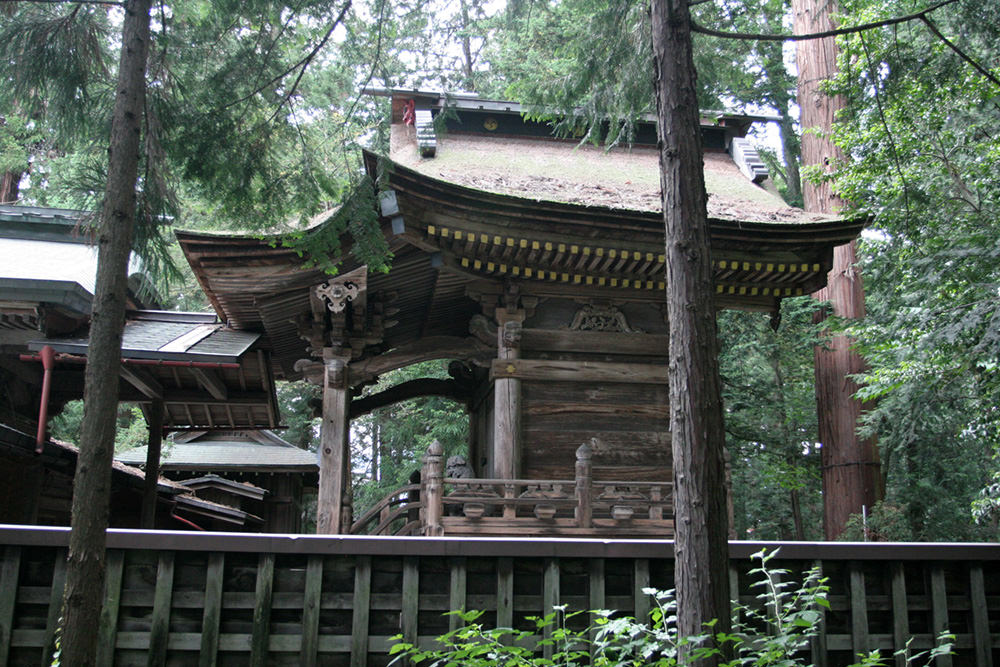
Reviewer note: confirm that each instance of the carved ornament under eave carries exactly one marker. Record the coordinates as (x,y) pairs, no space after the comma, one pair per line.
(601,318)
(336,295)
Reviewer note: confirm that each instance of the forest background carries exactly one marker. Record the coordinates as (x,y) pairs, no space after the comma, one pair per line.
(255,117)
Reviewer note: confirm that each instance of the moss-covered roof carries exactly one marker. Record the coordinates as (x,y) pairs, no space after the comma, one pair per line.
(563,171)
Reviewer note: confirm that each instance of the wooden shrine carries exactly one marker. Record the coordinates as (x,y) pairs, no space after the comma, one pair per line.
(537,266)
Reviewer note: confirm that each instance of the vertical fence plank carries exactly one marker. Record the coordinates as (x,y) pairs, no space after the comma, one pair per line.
(859,610)
(505,593)
(817,644)
(411,598)
(900,613)
(107,628)
(159,630)
(262,610)
(980,617)
(360,611)
(212,612)
(597,592)
(8,595)
(939,610)
(550,598)
(457,591)
(310,610)
(55,607)
(641,581)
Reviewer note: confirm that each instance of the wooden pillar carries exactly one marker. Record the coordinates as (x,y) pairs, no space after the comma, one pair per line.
(155,424)
(432,492)
(507,399)
(333,507)
(584,483)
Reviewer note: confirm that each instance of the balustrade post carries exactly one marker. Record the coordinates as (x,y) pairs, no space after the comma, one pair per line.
(584,481)
(432,489)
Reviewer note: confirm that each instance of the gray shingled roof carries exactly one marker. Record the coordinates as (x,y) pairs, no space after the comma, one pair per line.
(232,450)
(170,336)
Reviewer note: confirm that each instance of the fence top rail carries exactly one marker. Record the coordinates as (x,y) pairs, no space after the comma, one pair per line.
(47,536)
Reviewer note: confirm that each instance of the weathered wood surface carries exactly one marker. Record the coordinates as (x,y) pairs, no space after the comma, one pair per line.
(342,597)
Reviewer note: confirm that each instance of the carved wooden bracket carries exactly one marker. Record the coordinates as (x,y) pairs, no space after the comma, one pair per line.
(601,318)
(336,294)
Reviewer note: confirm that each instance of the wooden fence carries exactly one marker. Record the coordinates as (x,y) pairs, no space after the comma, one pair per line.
(177,598)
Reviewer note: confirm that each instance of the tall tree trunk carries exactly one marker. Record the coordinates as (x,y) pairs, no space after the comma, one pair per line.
(84,590)
(850,464)
(470,82)
(701,573)
(10,184)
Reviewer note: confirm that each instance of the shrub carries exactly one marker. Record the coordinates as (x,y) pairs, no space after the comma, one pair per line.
(773,633)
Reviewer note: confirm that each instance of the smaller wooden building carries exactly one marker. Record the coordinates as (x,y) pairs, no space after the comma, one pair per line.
(254,471)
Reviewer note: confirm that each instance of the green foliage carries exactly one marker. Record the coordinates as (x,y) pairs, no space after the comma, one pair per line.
(773,633)
(131,431)
(768,390)
(921,134)
(390,442)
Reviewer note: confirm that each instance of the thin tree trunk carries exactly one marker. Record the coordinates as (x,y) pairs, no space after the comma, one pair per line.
(793,178)
(701,573)
(470,83)
(84,590)
(850,463)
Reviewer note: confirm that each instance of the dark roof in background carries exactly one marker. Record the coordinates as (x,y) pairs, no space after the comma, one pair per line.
(256,451)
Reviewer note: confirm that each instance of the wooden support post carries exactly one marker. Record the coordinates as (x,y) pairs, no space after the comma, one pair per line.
(900,614)
(457,591)
(550,599)
(155,417)
(507,399)
(584,481)
(859,611)
(55,607)
(310,611)
(159,626)
(980,617)
(360,611)
(212,615)
(334,502)
(432,491)
(107,627)
(263,593)
(9,569)
(939,610)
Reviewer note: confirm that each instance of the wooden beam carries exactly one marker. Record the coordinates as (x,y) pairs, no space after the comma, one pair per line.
(154,417)
(432,347)
(142,380)
(334,452)
(409,389)
(212,383)
(597,342)
(507,398)
(578,371)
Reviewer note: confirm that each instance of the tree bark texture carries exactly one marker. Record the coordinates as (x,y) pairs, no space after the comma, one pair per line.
(851,478)
(701,547)
(84,591)
(10,186)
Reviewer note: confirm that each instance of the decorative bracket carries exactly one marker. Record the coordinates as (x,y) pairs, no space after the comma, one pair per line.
(601,318)
(337,294)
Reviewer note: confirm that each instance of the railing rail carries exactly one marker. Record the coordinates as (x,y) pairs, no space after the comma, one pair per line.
(219,598)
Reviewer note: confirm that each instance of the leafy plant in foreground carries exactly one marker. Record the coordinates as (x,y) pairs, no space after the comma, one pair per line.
(774,633)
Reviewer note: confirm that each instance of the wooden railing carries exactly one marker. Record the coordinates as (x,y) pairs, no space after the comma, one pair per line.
(581,507)
(229,598)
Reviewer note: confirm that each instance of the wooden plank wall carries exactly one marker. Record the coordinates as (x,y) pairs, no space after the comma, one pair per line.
(224,599)
(631,422)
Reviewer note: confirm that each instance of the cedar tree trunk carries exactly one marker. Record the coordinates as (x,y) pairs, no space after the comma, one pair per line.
(696,426)
(84,591)
(851,478)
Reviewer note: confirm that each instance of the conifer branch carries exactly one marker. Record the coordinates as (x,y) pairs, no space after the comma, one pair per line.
(979,68)
(67,2)
(764,37)
(303,63)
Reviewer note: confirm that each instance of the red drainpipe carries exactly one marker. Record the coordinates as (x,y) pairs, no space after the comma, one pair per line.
(183,520)
(48,358)
(135,362)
